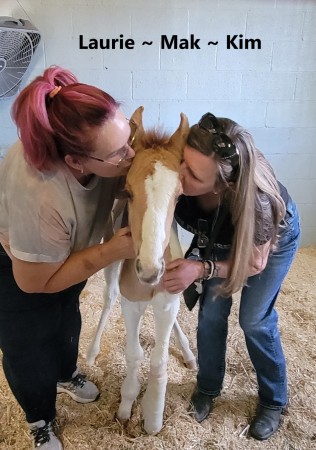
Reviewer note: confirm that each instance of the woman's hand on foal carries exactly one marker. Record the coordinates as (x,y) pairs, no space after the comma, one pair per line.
(180,273)
(122,244)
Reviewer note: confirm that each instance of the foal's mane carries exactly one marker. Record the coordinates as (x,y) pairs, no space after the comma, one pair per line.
(155,138)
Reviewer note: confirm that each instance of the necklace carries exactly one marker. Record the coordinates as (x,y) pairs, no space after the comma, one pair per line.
(203,228)
(216,215)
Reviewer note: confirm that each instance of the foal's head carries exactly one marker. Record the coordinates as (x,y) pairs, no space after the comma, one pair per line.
(153,184)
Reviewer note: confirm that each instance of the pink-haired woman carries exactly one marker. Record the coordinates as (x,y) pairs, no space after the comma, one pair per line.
(57,187)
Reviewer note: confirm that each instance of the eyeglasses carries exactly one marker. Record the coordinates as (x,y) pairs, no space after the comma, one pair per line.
(221,143)
(123,152)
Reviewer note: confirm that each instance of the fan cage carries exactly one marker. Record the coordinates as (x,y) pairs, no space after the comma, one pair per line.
(17,48)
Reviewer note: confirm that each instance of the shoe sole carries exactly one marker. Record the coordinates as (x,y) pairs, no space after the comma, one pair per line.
(266,436)
(61,390)
(262,438)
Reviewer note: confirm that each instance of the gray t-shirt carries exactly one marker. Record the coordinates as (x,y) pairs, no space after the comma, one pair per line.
(44,216)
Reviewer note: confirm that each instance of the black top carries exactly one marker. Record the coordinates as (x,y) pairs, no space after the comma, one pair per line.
(192,218)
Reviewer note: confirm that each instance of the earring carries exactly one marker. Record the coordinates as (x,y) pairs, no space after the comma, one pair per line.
(81,170)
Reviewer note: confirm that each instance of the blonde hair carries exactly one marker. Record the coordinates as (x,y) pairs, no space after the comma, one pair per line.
(253,187)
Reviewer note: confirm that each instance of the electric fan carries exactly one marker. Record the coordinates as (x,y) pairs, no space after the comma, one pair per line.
(18,42)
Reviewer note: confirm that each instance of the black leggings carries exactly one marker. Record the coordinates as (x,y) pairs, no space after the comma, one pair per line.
(39,338)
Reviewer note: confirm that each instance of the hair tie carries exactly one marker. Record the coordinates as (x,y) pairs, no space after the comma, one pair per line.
(54,91)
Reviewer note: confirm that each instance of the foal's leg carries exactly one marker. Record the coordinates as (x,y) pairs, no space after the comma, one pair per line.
(132,312)
(165,307)
(182,343)
(110,294)
(181,339)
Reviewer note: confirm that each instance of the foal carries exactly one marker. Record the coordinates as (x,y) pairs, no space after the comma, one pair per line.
(153,185)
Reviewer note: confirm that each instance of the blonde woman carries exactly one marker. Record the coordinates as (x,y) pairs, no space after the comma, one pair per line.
(246,233)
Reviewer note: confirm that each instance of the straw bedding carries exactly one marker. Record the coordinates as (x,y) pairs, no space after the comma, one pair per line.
(93,426)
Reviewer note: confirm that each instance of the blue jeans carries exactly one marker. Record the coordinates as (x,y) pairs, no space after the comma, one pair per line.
(258,320)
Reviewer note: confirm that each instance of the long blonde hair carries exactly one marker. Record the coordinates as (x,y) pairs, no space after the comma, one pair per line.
(255,181)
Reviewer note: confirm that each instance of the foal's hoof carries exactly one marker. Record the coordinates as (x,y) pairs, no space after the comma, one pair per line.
(152,428)
(122,421)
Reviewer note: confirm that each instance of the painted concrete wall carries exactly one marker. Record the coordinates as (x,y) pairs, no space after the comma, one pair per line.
(271,91)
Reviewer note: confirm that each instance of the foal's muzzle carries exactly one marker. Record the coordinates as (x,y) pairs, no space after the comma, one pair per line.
(149,274)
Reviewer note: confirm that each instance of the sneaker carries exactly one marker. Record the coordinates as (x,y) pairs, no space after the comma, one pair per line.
(44,436)
(80,389)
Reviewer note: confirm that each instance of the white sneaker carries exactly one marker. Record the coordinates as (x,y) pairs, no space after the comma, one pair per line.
(44,436)
(80,389)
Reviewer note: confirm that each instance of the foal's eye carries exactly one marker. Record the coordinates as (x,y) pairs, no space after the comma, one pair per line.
(129,196)
(124,194)
(128,192)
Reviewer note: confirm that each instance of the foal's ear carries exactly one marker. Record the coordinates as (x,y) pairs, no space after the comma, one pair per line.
(178,140)
(136,120)
(137,117)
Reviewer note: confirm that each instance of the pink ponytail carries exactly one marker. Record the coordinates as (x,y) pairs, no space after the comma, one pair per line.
(53,127)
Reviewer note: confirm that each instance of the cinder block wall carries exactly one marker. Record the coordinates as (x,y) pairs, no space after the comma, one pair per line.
(271,91)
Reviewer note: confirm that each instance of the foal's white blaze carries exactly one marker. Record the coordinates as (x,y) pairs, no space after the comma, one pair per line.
(160,188)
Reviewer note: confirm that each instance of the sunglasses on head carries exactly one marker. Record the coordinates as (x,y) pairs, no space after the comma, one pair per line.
(221,143)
